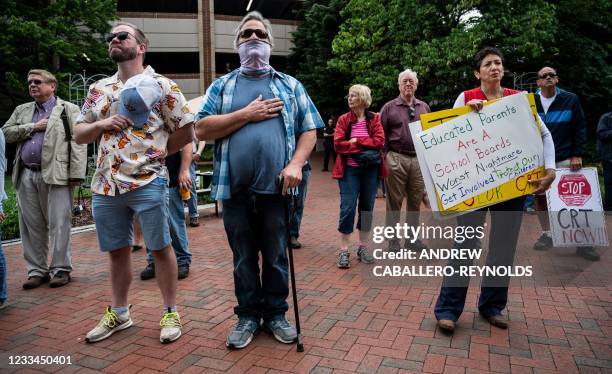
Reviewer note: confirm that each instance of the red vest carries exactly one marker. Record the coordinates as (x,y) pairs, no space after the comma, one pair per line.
(477,93)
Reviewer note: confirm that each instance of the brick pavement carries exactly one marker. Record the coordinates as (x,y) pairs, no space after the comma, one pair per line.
(350,322)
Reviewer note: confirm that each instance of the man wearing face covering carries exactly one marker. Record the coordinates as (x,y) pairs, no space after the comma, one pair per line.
(264,125)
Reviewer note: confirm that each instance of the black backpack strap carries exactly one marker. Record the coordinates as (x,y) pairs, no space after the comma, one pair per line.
(68,135)
(67,132)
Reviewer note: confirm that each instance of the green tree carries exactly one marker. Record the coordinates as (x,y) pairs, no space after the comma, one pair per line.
(62,36)
(311,52)
(581,54)
(436,39)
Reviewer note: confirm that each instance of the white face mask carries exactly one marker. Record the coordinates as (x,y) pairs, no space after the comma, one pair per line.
(254,56)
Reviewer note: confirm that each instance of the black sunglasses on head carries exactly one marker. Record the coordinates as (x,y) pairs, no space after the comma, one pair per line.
(121,35)
(547,75)
(246,33)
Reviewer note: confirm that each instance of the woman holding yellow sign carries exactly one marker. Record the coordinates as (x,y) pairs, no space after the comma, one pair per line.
(506,216)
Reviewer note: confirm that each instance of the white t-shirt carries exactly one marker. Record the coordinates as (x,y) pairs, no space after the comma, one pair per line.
(546,102)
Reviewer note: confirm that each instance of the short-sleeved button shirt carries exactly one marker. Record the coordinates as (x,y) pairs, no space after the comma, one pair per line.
(131,158)
(299,115)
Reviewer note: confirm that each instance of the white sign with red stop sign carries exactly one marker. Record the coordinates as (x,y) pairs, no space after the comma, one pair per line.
(575,210)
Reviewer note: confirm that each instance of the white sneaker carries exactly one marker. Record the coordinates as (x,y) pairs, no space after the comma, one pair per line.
(110,323)
(170,327)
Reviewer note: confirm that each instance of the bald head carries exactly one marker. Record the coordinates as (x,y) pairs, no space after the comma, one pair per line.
(546,69)
(547,81)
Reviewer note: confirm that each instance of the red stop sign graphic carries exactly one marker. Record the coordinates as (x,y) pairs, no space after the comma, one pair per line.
(574,189)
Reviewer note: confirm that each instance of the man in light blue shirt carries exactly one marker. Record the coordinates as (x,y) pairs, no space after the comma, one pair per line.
(255,114)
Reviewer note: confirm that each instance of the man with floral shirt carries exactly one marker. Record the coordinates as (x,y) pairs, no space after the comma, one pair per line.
(138,117)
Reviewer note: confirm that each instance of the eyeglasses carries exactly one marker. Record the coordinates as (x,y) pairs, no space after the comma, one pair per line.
(121,35)
(548,75)
(246,33)
(35,82)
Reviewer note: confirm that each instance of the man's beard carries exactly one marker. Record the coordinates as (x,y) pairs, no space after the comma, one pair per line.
(126,54)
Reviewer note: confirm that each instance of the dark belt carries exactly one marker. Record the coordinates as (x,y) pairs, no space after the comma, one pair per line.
(32,167)
(407,153)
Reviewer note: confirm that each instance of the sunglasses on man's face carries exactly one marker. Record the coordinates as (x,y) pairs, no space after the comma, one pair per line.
(35,82)
(548,75)
(246,33)
(121,35)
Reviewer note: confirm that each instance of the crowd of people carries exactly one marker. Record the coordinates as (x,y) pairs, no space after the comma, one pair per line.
(264,126)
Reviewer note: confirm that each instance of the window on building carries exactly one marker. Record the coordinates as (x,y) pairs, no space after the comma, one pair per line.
(158,6)
(174,62)
(276,9)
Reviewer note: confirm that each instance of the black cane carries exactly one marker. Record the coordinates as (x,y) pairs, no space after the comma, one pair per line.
(288,200)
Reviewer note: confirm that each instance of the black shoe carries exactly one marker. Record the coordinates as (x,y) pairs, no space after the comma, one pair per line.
(295,244)
(416,246)
(588,253)
(61,278)
(183,271)
(194,221)
(543,243)
(148,272)
(394,246)
(35,281)
(498,321)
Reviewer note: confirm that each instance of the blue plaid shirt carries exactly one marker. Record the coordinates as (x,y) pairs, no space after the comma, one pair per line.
(299,115)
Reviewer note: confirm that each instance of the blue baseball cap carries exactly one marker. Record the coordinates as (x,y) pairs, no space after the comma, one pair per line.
(137,98)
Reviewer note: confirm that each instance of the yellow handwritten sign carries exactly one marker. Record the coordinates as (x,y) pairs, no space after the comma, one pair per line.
(509,190)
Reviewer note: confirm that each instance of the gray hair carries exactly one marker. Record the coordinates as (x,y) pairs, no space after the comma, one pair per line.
(48,77)
(254,15)
(407,71)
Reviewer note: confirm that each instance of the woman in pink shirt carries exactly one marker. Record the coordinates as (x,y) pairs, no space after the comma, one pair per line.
(358,140)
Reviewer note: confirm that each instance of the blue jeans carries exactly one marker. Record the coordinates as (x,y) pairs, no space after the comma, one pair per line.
(192,203)
(256,223)
(114,217)
(358,184)
(607,172)
(530,201)
(178,230)
(505,225)
(3,274)
(298,208)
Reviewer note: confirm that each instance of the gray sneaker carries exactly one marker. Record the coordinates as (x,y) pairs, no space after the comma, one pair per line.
(110,324)
(282,330)
(242,334)
(364,255)
(344,261)
(170,327)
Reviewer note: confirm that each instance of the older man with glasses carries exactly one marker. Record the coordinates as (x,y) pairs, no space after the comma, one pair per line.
(48,165)
(404,180)
(264,124)
(563,116)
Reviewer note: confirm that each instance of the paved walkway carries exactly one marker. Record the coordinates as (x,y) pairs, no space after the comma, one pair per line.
(350,322)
